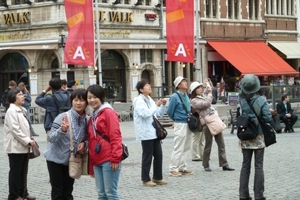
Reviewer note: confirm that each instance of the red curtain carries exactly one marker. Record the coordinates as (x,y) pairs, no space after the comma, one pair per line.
(180,30)
(80,44)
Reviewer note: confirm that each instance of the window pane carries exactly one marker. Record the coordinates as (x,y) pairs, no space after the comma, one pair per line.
(149,55)
(142,56)
(229,9)
(207,8)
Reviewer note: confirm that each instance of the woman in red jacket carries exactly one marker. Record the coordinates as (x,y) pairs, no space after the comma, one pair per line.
(104,157)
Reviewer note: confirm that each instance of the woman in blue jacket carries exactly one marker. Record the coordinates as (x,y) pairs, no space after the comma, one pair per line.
(250,86)
(144,109)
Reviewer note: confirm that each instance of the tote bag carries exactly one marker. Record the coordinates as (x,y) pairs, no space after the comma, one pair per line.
(214,123)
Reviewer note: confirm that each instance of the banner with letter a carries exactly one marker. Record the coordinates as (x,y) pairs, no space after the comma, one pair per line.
(180,30)
(80,44)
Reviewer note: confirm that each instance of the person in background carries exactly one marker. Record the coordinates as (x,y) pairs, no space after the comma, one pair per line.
(16,142)
(63,84)
(144,110)
(202,104)
(198,140)
(47,102)
(105,158)
(250,86)
(27,98)
(57,152)
(71,85)
(285,112)
(11,85)
(182,133)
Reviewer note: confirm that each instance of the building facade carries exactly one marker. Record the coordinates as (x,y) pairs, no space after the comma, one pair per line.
(133,42)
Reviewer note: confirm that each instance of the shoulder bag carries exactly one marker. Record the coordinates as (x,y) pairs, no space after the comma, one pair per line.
(125,153)
(75,161)
(268,130)
(192,120)
(35,149)
(214,123)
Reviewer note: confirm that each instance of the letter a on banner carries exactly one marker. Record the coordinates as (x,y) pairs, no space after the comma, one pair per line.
(180,30)
(80,44)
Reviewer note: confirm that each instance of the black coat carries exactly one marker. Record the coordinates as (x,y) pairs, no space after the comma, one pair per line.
(281,108)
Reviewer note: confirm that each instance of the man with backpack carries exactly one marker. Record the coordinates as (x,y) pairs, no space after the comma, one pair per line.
(53,104)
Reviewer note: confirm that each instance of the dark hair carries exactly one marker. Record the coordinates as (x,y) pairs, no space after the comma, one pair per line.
(283,97)
(55,83)
(12,95)
(80,93)
(63,82)
(141,84)
(98,91)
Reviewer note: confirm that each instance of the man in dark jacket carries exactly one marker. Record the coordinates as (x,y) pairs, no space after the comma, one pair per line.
(286,113)
(11,85)
(47,101)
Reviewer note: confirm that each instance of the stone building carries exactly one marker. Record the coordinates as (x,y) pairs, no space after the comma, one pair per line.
(133,42)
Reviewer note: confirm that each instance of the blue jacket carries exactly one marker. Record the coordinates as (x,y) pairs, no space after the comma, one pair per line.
(143,110)
(175,108)
(47,102)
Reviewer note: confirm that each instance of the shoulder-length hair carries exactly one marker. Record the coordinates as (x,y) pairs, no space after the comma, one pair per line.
(98,91)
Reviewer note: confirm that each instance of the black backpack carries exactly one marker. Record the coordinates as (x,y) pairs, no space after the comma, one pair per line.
(61,108)
(246,128)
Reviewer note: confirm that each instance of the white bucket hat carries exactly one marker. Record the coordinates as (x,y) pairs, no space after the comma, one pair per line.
(194,85)
(178,80)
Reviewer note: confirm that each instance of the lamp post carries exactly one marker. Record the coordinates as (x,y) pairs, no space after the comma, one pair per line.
(98,42)
(198,63)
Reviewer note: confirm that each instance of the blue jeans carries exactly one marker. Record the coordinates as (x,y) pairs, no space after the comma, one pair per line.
(107,181)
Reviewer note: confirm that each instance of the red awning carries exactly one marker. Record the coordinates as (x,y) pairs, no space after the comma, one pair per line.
(253,58)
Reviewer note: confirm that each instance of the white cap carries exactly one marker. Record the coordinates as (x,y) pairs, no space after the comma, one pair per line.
(178,81)
(194,85)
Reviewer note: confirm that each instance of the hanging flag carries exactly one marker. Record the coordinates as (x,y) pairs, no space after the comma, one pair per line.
(180,30)
(80,44)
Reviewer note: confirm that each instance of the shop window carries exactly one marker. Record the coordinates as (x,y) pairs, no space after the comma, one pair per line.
(146,55)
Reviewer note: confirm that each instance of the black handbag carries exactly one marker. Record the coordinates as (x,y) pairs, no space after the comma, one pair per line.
(268,130)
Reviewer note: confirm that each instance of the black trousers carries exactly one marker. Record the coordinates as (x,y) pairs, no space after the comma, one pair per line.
(289,122)
(151,148)
(17,176)
(61,182)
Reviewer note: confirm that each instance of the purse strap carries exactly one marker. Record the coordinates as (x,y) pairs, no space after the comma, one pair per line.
(101,134)
(251,107)
(185,108)
(70,133)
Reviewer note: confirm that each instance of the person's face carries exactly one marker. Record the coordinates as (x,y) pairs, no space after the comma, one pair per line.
(21,87)
(199,90)
(64,86)
(74,87)
(287,99)
(93,101)
(19,99)
(183,85)
(79,105)
(146,90)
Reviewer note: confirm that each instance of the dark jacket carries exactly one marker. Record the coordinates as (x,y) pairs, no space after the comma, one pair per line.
(3,98)
(47,102)
(281,108)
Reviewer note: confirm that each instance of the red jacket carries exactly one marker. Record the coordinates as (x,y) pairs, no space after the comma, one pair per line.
(106,122)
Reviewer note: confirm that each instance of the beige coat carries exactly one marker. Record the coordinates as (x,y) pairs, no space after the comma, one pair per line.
(202,105)
(16,130)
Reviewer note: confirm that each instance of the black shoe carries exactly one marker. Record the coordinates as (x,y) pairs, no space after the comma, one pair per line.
(249,198)
(292,130)
(264,198)
(227,168)
(197,159)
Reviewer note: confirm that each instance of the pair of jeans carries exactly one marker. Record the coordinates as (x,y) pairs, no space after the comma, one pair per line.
(259,186)
(61,182)
(151,148)
(107,181)
(17,176)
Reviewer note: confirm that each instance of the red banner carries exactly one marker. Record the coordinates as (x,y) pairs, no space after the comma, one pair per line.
(80,44)
(180,30)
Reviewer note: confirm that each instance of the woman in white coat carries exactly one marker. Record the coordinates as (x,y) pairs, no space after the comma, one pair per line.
(144,108)
(16,143)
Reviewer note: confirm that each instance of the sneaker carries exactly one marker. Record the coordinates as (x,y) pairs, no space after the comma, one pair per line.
(187,172)
(159,182)
(149,184)
(174,173)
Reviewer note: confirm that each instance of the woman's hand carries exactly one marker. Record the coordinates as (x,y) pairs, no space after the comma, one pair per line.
(32,143)
(65,124)
(80,148)
(114,166)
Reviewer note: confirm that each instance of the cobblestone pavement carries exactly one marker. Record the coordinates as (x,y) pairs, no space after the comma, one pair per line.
(282,180)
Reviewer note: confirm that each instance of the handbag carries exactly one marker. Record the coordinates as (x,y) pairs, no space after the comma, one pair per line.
(161,132)
(35,151)
(125,153)
(268,130)
(214,123)
(246,128)
(75,161)
(192,120)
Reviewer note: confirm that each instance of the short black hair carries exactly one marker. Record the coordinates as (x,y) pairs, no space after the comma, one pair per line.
(63,82)
(55,83)
(98,91)
(80,93)
(12,95)
(283,97)
(141,84)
